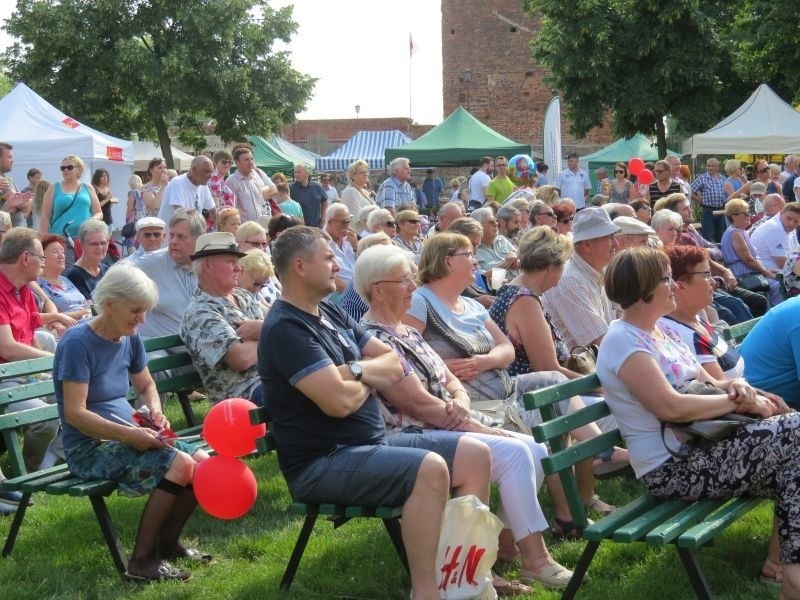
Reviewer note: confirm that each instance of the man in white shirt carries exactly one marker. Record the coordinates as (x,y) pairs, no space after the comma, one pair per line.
(330,190)
(573,182)
(190,191)
(479,182)
(775,240)
(343,242)
(250,186)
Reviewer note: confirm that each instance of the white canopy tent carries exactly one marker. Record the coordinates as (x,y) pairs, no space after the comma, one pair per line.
(144,152)
(42,136)
(764,124)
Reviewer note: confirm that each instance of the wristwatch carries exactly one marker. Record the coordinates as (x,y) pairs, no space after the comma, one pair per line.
(355,369)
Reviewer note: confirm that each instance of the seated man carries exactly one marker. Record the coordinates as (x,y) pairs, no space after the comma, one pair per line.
(495,250)
(319,368)
(21,258)
(343,242)
(221,324)
(149,236)
(771,352)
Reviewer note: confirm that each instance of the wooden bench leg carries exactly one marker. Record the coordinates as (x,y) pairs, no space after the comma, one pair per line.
(297,553)
(19,516)
(580,571)
(695,573)
(396,535)
(109,533)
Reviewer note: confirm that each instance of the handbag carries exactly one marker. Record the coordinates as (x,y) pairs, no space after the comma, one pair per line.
(754,282)
(703,433)
(467,550)
(582,359)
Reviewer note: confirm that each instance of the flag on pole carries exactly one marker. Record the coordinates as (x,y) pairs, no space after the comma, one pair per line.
(411,47)
(552,135)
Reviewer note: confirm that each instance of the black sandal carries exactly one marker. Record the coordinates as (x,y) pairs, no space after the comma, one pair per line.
(565,530)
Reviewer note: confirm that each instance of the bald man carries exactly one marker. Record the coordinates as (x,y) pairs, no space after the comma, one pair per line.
(190,191)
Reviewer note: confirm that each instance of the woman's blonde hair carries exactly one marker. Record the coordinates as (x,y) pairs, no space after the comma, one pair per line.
(433,261)
(257,264)
(541,247)
(78,163)
(247,229)
(736,205)
(225,214)
(351,168)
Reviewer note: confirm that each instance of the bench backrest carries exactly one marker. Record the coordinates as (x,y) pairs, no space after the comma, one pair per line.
(735,334)
(554,430)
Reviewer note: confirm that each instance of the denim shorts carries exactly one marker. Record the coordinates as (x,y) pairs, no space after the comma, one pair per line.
(137,472)
(379,475)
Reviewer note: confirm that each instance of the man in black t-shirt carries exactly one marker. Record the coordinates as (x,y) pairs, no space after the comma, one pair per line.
(318,368)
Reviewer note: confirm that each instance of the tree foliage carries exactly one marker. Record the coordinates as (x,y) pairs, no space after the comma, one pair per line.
(638,62)
(140,65)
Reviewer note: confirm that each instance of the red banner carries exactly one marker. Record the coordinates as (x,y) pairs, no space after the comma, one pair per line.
(71,123)
(114,153)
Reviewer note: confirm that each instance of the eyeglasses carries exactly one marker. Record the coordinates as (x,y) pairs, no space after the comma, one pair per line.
(405,281)
(66,168)
(260,284)
(225,161)
(41,257)
(56,251)
(762,170)
(413,221)
(566,220)
(361,173)
(97,244)
(467,254)
(152,234)
(549,214)
(619,171)
(258,244)
(668,280)
(705,274)
(492,221)
(391,223)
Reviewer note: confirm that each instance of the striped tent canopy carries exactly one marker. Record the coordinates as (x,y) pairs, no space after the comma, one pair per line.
(368,145)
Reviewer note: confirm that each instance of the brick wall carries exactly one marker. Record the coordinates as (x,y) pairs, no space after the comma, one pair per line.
(506,91)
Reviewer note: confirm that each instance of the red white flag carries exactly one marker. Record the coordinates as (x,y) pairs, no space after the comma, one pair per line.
(411,46)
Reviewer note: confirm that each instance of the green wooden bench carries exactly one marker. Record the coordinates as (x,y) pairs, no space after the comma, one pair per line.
(337,514)
(735,334)
(687,525)
(59,480)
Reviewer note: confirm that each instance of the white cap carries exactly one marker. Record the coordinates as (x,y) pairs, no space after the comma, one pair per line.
(632,226)
(150,222)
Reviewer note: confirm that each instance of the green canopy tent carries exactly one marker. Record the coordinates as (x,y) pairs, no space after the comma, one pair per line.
(622,150)
(460,140)
(269,159)
(297,153)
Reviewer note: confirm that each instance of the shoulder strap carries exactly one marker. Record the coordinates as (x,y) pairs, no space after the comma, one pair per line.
(63,212)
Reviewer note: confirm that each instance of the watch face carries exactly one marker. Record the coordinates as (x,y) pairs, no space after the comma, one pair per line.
(355,369)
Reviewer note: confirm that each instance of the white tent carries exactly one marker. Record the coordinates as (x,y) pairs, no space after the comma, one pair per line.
(144,152)
(42,136)
(764,124)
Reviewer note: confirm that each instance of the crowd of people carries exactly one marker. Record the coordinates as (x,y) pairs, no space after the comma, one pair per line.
(367,327)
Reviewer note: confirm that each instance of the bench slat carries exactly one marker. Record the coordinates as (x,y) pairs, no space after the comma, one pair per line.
(562,425)
(560,391)
(162,343)
(27,391)
(737,333)
(704,532)
(667,532)
(31,366)
(21,418)
(606,526)
(561,459)
(641,525)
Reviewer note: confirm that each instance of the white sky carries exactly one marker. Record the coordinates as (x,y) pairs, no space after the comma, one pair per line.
(359,51)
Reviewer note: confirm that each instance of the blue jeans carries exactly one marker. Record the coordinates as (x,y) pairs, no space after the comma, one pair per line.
(713,225)
(738,310)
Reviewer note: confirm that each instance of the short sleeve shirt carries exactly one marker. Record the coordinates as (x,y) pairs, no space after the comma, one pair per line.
(293,345)
(489,257)
(18,310)
(574,185)
(478,184)
(771,241)
(708,346)
(208,328)
(182,193)
(247,190)
(393,192)
(310,197)
(500,188)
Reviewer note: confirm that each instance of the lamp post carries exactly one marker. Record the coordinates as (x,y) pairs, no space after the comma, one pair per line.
(358,110)
(467,79)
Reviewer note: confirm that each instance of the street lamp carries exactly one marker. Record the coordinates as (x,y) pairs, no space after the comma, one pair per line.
(467,79)
(358,110)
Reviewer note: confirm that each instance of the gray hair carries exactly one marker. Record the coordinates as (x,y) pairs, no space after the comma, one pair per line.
(92,226)
(376,217)
(375,264)
(5,220)
(125,283)
(507,212)
(453,207)
(335,208)
(361,221)
(663,217)
(481,215)
(297,240)
(197,226)
(397,163)
(135,182)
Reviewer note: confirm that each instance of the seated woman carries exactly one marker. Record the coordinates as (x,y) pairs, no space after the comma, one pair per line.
(228,219)
(409,233)
(351,301)
(538,345)
(431,398)
(254,278)
(667,225)
(252,235)
(642,368)
(739,254)
(67,298)
(89,268)
(382,220)
(641,207)
(479,289)
(693,293)
(91,368)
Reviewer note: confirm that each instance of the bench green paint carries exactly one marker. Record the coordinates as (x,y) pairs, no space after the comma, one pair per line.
(59,480)
(337,514)
(735,334)
(687,525)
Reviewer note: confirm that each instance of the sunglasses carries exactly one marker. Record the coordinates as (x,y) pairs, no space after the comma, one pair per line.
(619,171)
(566,220)
(762,170)
(66,168)
(391,223)
(413,221)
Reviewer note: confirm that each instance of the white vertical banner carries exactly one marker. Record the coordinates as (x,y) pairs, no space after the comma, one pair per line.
(552,136)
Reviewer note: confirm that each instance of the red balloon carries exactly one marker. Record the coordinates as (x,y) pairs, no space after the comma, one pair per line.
(635,166)
(646,177)
(225,487)
(227,428)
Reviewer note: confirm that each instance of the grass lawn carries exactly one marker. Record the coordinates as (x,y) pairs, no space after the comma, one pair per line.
(60,554)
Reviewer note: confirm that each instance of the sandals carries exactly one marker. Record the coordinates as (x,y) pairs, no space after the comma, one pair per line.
(163,572)
(192,555)
(565,530)
(508,589)
(612,462)
(771,573)
(552,576)
(599,506)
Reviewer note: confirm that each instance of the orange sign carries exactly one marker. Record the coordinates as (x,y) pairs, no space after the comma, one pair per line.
(113,153)
(71,123)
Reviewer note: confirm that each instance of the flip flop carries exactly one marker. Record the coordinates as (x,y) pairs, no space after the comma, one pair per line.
(193,555)
(163,572)
(776,576)
(509,589)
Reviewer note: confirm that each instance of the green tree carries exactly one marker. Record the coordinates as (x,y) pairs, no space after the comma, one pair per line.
(638,62)
(142,65)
